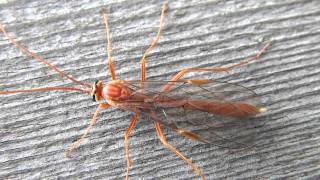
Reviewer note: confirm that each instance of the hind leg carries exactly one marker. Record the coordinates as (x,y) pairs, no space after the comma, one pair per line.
(167,87)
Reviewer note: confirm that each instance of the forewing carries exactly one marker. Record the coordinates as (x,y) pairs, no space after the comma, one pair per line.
(199,125)
(212,90)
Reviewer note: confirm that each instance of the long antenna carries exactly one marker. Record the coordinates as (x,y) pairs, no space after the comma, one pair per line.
(45,89)
(39,58)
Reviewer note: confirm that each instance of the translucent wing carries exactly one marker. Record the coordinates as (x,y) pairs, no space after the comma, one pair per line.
(212,90)
(171,108)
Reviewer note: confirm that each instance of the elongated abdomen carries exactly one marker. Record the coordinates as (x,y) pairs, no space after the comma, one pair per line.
(225,109)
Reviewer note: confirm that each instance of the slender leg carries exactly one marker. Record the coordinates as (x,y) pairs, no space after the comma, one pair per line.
(173,149)
(111,66)
(39,58)
(76,144)
(126,141)
(154,43)
(167,87)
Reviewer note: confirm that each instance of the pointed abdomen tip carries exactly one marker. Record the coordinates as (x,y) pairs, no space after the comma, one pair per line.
(262,110)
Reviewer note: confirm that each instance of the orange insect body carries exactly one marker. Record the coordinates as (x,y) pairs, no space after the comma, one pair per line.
(118,93)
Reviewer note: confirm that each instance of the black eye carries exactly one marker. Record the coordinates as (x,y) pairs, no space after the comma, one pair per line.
(94,87)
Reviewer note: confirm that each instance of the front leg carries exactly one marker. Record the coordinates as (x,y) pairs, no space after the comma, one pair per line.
(76,144)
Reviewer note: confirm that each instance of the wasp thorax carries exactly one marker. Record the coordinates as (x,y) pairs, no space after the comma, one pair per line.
(115,92)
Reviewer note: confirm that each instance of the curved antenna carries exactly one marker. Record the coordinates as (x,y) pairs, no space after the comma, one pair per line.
(39,58)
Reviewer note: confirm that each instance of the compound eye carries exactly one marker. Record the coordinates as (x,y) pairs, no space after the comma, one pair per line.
(94,98)
(94,90)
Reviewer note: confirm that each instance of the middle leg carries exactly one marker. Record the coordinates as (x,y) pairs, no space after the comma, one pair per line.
(108,49)
(126,141)
(154,43)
